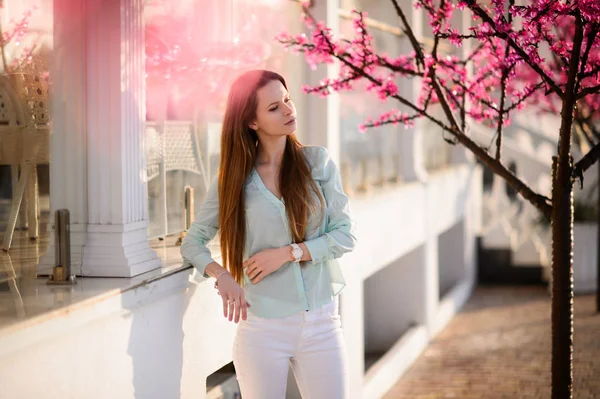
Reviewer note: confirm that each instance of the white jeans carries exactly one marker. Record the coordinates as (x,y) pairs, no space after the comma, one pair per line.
(311,342)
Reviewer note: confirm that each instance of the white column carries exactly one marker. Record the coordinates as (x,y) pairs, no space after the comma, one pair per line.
(117,239)
(353,320)
(323,114)
(294,70)
(472,223)
(68,177)
(460,153)
(412,166)
(431,262)
(432,289)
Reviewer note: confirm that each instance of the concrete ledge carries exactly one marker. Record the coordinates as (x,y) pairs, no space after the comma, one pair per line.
(452,302)
(382,376)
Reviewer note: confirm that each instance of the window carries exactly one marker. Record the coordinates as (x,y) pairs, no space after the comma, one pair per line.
(189,70)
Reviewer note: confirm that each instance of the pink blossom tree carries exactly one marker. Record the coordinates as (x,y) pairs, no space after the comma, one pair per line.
(586,116)
(191,76)
(545,48)
(175,64)
(14,35)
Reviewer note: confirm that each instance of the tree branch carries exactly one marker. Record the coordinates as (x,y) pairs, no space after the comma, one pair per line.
(590,41)
(392,121)
(486,18)
(408,31)
(3,51)
(587,91)
(463,112)
(504,77)
(473,54)
(539,201)
(360,72)
(587,126)
(501,116)
(564,160)
(466,90)
(584,164)
(420,56)
(448,36)
(591,73)
(583,129)
(525,97)
(399,69)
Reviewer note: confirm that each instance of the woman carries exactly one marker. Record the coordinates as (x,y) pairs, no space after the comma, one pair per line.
(283,218)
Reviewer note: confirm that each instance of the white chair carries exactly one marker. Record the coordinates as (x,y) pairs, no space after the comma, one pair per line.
(24,143)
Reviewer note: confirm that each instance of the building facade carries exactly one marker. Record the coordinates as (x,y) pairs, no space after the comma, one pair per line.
(125,142)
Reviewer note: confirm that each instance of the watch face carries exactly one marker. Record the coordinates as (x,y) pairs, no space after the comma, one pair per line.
(297,253)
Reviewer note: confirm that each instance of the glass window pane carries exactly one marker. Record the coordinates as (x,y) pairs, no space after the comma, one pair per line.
(189,71)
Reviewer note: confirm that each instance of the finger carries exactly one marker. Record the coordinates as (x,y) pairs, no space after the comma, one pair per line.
(238,310)
(248,262)
(255,272)
(225,306)
(257,278)
(254,275)
(250,268)
(244,308)
(231,309)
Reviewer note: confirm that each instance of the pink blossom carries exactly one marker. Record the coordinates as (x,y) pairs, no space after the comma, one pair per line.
(542,29)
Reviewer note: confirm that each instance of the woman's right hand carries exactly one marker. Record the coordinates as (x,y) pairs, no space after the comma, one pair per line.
(234,301)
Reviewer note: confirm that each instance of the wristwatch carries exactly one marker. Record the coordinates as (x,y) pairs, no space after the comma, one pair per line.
(297,253)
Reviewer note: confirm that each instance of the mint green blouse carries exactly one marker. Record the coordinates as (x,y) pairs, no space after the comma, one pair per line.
(292,288)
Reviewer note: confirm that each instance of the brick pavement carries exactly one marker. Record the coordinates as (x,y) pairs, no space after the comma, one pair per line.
(499,346)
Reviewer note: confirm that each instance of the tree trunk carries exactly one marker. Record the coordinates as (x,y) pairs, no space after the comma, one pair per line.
(598,246)
(562,235)
(562,281)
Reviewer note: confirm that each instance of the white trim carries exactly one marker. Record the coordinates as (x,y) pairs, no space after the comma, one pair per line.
(384,374)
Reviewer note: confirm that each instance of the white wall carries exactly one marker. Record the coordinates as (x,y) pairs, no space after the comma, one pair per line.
(396,303)
(158,341)
(451,263)
(585,258)
(163,339)
(393,301)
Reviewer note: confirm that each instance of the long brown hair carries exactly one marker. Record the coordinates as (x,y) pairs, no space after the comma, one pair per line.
(238,156)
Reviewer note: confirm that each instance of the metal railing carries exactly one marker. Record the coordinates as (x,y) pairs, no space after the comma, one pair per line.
(61,273)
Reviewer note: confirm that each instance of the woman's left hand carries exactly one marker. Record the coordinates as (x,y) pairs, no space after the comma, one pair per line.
(265,262)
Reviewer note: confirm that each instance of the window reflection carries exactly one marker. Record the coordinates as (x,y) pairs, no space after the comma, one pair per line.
(369,159)
(25,53)
(194,49)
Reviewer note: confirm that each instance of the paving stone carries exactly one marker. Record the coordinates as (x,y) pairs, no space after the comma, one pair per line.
(499,346)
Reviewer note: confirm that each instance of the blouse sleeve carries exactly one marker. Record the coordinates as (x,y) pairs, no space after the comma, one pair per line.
(205,226)
(339,236)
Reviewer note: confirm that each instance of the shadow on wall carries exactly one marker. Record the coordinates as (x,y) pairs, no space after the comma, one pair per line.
(453,262)
(156,343)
